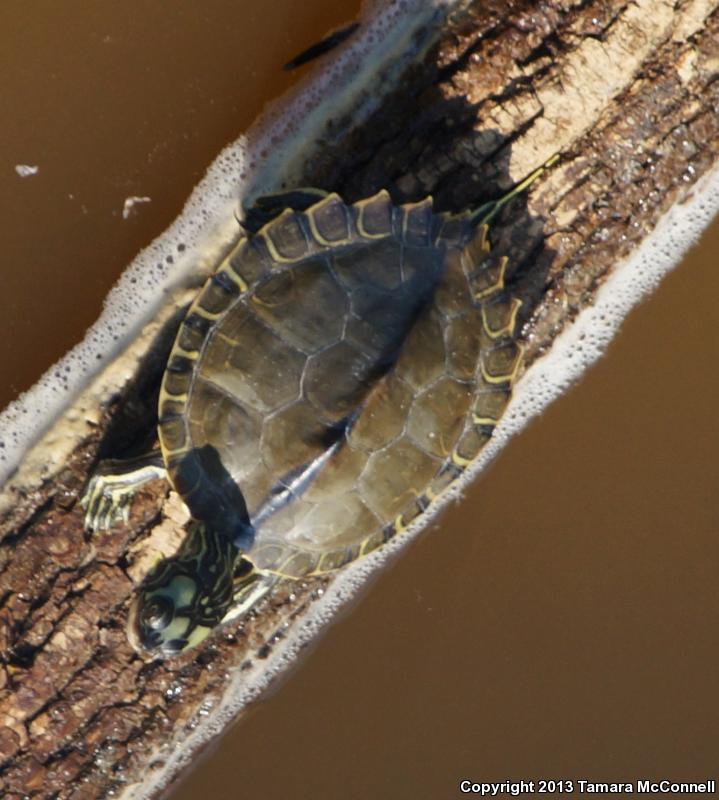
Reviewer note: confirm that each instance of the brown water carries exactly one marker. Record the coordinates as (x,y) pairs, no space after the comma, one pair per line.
(112,100)
(560,622)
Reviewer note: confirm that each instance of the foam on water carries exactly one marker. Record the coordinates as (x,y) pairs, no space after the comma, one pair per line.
(263,160)
(207,219)
(574,350)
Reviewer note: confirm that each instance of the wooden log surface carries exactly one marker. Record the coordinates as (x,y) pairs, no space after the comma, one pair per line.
(627,92)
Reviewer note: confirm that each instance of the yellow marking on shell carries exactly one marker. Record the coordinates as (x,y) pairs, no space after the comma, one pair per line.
(165,395)
(280,568)
(267,239)
(498,284)
(227,339)
(360,206)
(228,270)
(509,377)
(497,379)
(190,355)
(407,207)
(430,495)
(508,329)
(331,198)
(167,453)
(319,569)
(363,546)
(175,398)
(348,556)
(477,420)
(198,309)
(484,244)
(399,526)
(258,302)
(459,460)
(275,571)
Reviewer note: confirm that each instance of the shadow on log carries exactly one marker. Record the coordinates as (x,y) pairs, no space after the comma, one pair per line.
(632,108)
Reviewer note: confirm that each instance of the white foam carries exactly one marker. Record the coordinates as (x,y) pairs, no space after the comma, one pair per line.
(263,160)
(207,218)
(588,337)
(575,349)
(26,170)
(267,157)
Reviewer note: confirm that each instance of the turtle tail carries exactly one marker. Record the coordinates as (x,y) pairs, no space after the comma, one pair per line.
(488,211)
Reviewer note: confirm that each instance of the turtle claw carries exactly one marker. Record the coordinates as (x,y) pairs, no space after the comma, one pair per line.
(106,501)
(109,494)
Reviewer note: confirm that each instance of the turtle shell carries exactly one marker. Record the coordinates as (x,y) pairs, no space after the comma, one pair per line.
(340,369)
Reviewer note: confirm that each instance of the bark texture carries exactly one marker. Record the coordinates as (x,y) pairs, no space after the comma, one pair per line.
(626,91)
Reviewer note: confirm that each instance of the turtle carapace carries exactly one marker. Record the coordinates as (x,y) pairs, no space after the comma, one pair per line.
(342,367)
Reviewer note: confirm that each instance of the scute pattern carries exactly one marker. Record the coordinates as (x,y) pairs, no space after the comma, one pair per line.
(276,300)
(346,363)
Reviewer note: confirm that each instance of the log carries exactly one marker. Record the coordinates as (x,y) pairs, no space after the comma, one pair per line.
(626,92)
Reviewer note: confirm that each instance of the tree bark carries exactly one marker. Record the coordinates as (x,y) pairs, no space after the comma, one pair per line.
(626,92)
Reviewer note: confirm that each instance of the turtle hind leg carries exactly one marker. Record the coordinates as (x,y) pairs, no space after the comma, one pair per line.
(269,206)
(486,212)
(250,586)
(112,487)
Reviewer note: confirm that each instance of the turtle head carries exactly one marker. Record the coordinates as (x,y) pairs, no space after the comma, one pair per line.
(185,596)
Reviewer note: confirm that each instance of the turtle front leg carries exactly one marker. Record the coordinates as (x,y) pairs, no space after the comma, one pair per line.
(109,493)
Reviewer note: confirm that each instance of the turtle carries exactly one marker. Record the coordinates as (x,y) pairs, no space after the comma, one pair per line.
(342,367)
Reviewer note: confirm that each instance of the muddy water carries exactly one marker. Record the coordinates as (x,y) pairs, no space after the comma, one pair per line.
(112,100)
(559,623)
